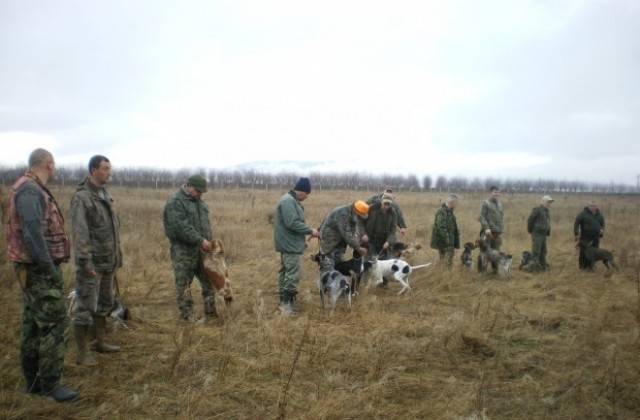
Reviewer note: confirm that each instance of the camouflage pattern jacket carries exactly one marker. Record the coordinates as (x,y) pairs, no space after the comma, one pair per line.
(289,227)
(186,220)
(445,234)
(539,221)
(339,229)
(491,216)
(95,228)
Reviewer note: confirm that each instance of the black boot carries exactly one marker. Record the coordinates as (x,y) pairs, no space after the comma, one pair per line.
(287,302)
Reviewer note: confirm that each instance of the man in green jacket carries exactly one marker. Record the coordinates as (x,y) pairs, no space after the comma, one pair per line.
(186,224)
(289,232)
(445,236)
(539,226)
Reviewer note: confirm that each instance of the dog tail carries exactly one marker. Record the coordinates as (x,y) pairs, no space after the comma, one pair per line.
(420,266)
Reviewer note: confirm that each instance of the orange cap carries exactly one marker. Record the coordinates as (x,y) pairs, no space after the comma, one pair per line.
(361,207)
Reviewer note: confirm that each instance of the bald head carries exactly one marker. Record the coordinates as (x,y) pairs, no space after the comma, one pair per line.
(42,165)
(39,158)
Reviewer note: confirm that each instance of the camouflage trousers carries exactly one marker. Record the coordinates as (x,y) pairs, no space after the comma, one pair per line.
(538,253)
(45,328)
(94,297)
(290,273)
(186,265)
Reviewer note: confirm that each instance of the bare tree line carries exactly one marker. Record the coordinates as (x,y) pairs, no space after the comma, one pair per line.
(248,178)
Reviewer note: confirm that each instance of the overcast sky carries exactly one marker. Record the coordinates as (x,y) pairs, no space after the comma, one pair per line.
(504,88)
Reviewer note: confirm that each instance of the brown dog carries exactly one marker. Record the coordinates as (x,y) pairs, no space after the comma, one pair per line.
(215,268)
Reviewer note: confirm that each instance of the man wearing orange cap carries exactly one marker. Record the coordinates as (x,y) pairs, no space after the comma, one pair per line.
(338,230)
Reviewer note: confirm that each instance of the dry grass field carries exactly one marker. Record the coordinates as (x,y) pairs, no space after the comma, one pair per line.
(557,345)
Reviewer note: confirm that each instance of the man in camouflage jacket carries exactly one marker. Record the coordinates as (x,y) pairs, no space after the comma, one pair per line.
(539,226)
(445,236)
(338,230)
(96,247)
(186,224)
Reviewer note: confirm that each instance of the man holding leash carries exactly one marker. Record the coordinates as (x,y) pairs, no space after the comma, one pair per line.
(186,224)
(289,232)
(491,219)
(96,247)
(378,230)
(37,245)
(377,198)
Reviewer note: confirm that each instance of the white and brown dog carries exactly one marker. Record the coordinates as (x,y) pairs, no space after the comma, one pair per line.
(214,266)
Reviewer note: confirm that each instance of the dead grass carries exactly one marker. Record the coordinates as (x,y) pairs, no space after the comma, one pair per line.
(557,345)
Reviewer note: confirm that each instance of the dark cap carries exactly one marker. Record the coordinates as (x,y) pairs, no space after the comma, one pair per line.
(198,182)
(303,185)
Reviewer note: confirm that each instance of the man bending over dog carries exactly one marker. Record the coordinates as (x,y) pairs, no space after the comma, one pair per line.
(186,224)
(289,234)
(338,230)
(491,224)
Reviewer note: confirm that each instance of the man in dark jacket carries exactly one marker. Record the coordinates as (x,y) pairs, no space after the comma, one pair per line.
(589,227)
(539,226)
(378,230)
(377,198)
(445,236)
(289,231)
(96,246)
(186,224)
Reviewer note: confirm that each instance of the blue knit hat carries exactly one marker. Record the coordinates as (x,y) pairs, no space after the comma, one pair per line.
(303,185)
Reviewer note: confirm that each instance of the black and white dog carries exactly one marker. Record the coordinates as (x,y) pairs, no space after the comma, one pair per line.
(333,284)
(354,268)
(398,269)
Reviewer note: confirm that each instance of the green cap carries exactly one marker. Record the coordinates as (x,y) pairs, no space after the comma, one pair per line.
(198,182)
